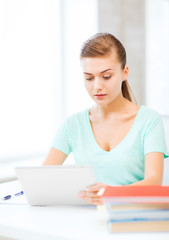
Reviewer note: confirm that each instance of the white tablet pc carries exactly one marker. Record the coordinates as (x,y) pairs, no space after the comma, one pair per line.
(55,185)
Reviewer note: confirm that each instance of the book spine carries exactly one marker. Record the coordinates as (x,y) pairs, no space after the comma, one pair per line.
(139,225)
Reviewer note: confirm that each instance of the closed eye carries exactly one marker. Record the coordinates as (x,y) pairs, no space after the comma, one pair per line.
(106,77)
(89,78)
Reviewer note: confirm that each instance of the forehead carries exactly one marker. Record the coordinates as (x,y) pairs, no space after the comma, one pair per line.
(99,64)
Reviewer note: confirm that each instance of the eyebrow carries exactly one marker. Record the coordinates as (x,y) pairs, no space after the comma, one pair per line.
(101,72)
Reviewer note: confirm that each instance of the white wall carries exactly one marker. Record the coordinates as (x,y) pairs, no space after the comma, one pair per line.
(126,20)
(157,55)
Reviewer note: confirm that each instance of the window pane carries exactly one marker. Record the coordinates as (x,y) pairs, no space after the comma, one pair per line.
(40,79)
(28,60)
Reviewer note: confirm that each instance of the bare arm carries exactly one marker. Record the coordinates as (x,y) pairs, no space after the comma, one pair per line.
(55,157)
(153,176)
(153,169)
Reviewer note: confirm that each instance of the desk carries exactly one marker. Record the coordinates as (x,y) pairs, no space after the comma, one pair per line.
(24,222)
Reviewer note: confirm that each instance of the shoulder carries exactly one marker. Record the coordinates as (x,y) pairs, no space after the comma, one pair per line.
(149,114)
(149,119)
(77,118)
(76,124)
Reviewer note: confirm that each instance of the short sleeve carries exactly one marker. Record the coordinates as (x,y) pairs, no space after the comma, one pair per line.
(61,141)
(154,138)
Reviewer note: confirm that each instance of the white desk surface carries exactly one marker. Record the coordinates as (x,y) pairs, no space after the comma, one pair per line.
(63,223)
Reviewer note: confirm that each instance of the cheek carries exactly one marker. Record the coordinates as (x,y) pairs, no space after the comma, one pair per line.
(88,86)
(116,83)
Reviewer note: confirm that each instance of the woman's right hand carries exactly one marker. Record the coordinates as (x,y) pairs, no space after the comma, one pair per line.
(93,194)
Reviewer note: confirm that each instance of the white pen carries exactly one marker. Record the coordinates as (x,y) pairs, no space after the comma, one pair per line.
(100,192)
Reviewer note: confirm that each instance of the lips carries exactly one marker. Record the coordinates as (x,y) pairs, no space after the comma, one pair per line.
(100,96)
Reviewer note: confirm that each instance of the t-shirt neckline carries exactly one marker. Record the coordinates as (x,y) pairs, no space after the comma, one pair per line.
(124,139)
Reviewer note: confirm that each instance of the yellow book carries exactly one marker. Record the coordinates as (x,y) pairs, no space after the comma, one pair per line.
(138,226)
(137,206)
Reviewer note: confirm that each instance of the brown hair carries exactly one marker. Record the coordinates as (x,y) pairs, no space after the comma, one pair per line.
(102,44)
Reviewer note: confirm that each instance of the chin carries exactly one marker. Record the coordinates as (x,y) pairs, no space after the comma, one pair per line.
(101,102)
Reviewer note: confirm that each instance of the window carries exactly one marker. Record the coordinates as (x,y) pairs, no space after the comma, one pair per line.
(40,73)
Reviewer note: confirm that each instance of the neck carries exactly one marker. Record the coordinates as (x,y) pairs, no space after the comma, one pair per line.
(119,105)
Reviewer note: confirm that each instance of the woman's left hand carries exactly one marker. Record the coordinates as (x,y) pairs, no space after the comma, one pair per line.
(93,194)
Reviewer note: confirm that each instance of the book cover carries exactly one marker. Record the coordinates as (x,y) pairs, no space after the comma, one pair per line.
(136,194)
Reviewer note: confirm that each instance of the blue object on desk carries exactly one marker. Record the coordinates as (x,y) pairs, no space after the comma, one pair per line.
(18,194)
(6,197)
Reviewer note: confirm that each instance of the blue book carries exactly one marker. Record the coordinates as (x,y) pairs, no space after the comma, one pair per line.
(134,211)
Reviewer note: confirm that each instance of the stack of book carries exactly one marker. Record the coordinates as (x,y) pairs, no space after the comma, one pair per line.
(137,208)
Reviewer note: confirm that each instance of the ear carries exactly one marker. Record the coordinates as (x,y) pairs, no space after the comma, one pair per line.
(125,73)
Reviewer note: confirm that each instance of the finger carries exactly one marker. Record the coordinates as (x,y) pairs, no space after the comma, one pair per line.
(88,194)
(95,201)
(96,187)
(91,194)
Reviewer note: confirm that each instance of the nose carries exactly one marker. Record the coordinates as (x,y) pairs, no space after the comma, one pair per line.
(98,84)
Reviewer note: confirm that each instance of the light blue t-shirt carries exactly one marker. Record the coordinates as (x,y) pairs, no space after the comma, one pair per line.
(124,164)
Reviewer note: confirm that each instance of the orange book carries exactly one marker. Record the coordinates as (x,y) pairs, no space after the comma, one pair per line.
(136,194)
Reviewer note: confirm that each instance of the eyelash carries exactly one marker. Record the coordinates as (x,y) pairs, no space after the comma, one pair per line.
(106,78)
(89,79)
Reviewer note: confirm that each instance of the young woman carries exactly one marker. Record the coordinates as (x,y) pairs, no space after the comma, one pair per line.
(123,142)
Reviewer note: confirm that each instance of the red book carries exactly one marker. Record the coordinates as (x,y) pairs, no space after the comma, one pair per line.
(136,194)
